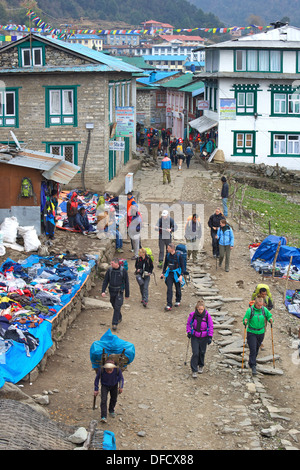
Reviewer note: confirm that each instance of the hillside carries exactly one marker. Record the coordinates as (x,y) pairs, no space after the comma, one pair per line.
(237,13)
(178,13)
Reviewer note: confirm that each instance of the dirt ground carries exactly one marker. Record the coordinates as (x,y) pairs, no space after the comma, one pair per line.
(162,406)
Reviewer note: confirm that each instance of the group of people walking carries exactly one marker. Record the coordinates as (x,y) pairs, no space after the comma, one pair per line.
(199,325)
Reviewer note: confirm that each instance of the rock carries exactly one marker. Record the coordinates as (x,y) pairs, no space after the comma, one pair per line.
(269,370)
(42,399)
(271,431)
(251,387)
(79,436)
(141,433)
(94,303)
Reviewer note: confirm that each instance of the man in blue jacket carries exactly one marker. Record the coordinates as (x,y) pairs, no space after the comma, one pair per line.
(226,242)
(166,166)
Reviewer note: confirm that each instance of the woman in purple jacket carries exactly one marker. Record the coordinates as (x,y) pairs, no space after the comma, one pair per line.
(200,330)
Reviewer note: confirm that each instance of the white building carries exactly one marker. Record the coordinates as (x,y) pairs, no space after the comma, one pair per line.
(252,84)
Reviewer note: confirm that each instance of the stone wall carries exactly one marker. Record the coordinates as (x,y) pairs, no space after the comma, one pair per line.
(148,113)
(92,107)
(270,178)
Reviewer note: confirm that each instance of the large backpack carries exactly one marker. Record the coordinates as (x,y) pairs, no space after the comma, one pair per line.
(111,347)
(261,286)
(182,249)
(149,253)
(27,189)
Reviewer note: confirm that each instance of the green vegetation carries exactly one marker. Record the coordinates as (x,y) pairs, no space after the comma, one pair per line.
(237,13)
(283,215)
(178,13)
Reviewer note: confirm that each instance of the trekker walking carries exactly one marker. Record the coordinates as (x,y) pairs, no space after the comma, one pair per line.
(173,272)
(226,242)
(143,271)
(134,230)
(166,166)
(116,278)
(112,382)
(224,195)
(172,149)
(254,321)
(192,234)
(189,152)
(165,227)
(200,331)
(179,153)
(214,224)
(264,291)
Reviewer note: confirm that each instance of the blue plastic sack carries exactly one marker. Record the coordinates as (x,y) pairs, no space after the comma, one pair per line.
(109,441)
(111,345)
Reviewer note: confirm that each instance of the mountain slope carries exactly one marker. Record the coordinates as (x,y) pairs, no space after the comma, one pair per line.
(237,13)
(178,13)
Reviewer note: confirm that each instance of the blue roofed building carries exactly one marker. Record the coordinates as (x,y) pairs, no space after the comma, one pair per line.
(89,40)
(167,62)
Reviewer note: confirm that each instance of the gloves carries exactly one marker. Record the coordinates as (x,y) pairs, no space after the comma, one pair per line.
(189,335)
(209,339)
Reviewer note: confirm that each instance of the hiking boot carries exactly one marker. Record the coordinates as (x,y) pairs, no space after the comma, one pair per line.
(200,370)
(144,303)
(119,250)
(168,308)
(103,420)
(254,370)
(177,304)
(114,327)
(160,263)
(112,414)
(194,375)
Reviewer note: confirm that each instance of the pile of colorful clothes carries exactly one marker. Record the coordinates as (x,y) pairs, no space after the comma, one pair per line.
(32,294)
(292,302)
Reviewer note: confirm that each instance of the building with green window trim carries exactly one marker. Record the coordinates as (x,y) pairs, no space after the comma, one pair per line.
(62,98)
(252,84)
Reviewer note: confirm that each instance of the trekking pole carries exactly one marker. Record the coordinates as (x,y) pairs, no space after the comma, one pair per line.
(185,362)
(154,277)
(244,346)
(272,345)
(94,402)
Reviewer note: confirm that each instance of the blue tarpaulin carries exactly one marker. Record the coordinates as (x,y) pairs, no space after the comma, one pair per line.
(15,364)
(112,345)
(267,250)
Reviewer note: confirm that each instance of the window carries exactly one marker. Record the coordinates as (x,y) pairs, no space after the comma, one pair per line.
(240,58)
(279,103)
(258,61)
(9,108)
(285,144)
(61,106)
(244,143)
(245,103)
(285,101)
(32,57)
(68,150)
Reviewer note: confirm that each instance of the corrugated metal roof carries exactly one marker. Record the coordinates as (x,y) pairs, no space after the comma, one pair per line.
(97,56)
(54,167)
(179,82)
(193,87)
(165,57)
(46,69)
(108,62)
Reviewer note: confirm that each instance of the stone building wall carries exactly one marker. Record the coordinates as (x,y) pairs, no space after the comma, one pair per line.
(92,107)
